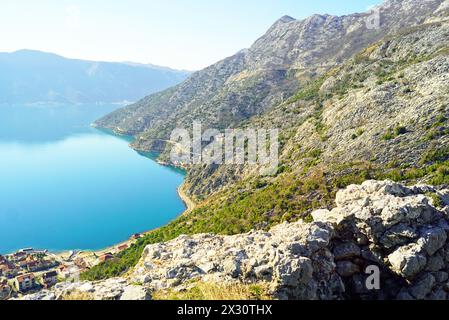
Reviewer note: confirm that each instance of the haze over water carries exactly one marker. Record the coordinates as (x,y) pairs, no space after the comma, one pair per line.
(65,185)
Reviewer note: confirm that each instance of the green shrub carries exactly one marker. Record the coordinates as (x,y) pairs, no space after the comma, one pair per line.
(358,133)
(391,134)
(388,135)
(436,199)
(310,92)
(400,130)
(435,155)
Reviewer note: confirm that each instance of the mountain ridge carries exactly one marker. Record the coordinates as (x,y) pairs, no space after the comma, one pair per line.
(277,65)
(30,76)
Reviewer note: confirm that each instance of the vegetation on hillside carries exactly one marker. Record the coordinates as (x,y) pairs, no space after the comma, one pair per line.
(214,291)
(291,197)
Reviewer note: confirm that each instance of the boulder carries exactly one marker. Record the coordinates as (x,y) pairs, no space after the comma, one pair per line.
(134,292)
(408,260)
(347,268)
(433,239)
(422,287)
(346,250)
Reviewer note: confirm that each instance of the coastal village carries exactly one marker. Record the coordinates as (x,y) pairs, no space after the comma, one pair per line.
(28,270)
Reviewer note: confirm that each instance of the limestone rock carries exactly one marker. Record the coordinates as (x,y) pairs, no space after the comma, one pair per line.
(347,268)
(433,239)
(134,292)
(408,260)
(423,287)
(346,250)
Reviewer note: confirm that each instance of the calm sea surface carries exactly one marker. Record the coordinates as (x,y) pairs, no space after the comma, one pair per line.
(65,185)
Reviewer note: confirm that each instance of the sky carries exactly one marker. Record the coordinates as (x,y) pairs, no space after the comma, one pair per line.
(182,34)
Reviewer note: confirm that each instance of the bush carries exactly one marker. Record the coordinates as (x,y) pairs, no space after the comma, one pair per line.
(388,135)
(436,199)
(435,155)
(310,92)
(358,133)
(400,130)
(391,134)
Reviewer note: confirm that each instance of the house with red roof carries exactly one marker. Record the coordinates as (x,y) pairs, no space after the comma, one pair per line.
(25,282)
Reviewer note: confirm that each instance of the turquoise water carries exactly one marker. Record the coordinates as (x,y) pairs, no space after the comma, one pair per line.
(65,185)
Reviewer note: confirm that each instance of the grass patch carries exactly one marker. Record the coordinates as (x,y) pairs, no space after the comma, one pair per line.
(435,155)
(393,133)
(213,291)
(436,199)
(77,296)
(310,92)
(358,133)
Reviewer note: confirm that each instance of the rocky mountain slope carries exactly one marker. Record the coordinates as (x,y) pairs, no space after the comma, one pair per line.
(314,50)
(28,76)
(402,231)
(373,107)
(290,54)
(387,102)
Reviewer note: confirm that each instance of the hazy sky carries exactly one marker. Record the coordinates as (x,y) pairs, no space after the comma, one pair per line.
(183,34)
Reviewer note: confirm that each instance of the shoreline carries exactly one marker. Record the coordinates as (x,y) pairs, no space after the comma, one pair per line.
(188,202)
(91,257)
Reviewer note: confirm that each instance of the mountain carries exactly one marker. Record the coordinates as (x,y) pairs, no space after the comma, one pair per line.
(351,103)
(28,76)
(285,59)
(258,85)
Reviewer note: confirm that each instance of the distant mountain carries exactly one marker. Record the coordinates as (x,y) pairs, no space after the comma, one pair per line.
(28,76)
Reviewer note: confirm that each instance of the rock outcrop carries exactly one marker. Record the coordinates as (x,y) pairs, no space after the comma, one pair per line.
(293,258)
(383,226)
(111,289)
(397,229)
